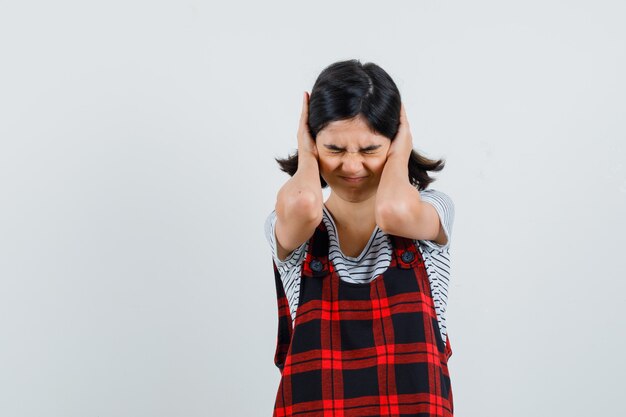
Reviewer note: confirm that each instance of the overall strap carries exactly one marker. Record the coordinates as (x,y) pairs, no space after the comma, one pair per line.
(316,262)
(406,253)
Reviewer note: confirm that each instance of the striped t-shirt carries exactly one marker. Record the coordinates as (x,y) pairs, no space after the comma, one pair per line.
(375,257)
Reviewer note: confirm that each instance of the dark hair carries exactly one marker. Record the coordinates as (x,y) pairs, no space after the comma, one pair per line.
(344,90)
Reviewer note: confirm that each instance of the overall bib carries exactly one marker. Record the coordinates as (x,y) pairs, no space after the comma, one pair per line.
(362,349)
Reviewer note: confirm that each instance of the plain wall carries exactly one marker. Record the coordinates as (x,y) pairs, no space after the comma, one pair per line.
(137,146)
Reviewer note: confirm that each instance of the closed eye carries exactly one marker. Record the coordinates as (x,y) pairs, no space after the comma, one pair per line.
(334,149)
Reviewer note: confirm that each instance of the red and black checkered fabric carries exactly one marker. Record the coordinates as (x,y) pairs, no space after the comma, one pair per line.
(370,349)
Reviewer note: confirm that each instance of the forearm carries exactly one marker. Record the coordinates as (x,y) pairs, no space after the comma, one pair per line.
(303,191)
(395,192)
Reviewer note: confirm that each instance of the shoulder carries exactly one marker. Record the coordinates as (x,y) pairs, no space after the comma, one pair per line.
(444,205)
(437,197)
(294,259)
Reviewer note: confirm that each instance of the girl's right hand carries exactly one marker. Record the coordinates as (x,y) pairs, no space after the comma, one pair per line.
(305,140)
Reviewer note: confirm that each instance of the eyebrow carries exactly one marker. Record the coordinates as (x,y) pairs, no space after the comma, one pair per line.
(337,148)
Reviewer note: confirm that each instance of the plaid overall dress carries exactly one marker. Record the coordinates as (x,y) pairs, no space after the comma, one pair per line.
(361,349)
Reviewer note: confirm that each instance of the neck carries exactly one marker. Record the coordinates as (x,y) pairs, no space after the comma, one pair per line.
(352,215)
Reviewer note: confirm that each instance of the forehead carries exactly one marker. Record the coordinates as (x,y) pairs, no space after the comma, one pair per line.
(351,130)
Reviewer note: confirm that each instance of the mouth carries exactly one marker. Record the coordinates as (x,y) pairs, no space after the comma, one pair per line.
(353,179)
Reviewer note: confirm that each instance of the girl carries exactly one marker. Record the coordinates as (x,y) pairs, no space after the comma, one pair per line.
(361,278)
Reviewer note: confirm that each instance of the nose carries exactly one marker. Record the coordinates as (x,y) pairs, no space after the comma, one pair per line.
(352,164)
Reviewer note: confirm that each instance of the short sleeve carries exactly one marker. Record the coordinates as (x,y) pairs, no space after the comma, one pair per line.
(445,208)
(270,234)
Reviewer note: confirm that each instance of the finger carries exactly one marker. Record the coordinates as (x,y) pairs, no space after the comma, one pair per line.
(302,112)
(403,118)
(304,115)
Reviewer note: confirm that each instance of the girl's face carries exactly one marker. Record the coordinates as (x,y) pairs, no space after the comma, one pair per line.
(347,149)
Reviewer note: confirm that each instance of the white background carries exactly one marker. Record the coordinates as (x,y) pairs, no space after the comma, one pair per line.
(136,171)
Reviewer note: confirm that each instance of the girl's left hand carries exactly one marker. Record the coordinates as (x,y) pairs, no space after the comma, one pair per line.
(402,143)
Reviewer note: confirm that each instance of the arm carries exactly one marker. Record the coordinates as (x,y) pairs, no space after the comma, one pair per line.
(399,208)
(299,203)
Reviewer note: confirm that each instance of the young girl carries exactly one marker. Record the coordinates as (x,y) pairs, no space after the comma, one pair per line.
(361,278)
